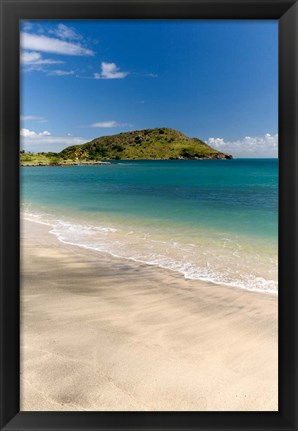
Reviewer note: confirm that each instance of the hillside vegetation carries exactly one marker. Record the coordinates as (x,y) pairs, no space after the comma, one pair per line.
(159,143)
(146,144)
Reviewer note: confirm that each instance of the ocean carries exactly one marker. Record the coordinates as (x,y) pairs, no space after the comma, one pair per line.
(212,220)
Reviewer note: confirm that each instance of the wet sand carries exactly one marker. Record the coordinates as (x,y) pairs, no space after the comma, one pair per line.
(102,333)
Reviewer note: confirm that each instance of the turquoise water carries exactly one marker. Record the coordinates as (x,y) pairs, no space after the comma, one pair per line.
(214,220)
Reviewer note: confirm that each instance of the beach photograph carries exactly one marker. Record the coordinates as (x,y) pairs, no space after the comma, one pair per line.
(149,215)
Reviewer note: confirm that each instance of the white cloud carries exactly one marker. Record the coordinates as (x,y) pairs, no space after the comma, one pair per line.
(64,32)
(61,72)
(35,58)
(254,147)
(42,43)
(110,71)
(110,124)
(33,118)
(45,141)
(106,124)
(26,133)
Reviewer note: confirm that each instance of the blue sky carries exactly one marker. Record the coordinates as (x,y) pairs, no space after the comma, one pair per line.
(215,80)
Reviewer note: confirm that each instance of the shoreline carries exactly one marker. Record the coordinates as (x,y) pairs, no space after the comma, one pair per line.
(133,336)
(234,285)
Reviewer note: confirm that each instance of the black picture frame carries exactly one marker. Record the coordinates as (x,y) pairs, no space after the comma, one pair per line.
(286,12)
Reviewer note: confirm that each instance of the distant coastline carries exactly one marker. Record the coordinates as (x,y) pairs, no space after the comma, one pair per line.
(100,162)
(65,163)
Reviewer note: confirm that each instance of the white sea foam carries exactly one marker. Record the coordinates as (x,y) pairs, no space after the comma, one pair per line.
(197,262)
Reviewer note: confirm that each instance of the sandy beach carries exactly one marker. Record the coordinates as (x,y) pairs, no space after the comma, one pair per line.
(102,333)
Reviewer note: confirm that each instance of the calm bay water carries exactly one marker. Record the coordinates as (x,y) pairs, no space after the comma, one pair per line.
(214,220)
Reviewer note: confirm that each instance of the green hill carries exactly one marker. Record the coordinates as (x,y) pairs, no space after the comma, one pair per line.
(161,143)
